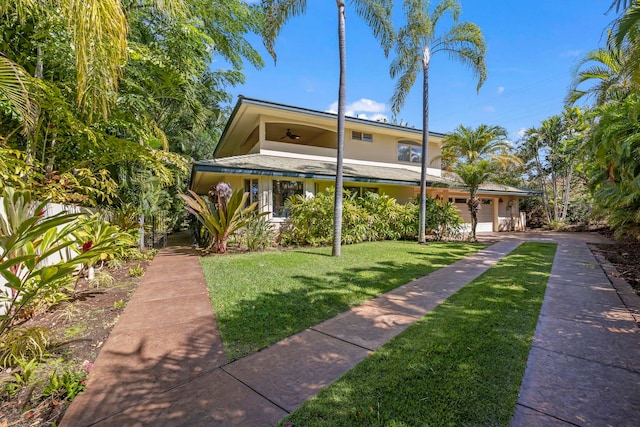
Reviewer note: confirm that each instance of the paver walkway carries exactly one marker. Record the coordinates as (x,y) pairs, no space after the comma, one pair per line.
(584,366)
(163,364)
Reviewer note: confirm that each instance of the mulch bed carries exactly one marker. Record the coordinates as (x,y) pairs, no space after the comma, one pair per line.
(625,256)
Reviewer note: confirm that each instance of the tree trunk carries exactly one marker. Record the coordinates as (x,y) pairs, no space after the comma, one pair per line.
(426,59)
(39,71)
(337,207)
(567,189)
(554,188)
(473,204)
(141,232)
(543,189)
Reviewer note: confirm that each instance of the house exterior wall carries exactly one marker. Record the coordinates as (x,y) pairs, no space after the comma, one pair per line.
(277,130)
(382,149)
(494,214)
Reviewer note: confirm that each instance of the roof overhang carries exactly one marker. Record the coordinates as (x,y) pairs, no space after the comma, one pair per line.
(204,173)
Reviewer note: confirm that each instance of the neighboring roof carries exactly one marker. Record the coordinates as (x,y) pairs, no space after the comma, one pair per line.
(261,164)
(242,100)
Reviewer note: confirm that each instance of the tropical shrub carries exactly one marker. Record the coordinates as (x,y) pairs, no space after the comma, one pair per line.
(442,220)
(258,235)
(614,170)
(365,218)
(110,239)
(310,220)
(224,216)
(29,245)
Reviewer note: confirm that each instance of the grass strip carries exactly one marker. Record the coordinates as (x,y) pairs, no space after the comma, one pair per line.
(461,365)
(262,297)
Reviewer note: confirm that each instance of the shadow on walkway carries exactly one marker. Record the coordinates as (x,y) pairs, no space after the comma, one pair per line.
(164,363)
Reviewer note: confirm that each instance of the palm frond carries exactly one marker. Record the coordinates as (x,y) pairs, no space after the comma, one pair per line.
(377,15)
(276,14)
(14,86)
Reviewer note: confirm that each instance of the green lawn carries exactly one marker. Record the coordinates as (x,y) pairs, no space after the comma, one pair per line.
(461,365)
(263,297)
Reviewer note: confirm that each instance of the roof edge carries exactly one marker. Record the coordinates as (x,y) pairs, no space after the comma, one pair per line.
(292,108)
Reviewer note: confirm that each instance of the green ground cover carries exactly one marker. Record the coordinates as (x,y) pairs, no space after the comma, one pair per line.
(461,365)
(261,298)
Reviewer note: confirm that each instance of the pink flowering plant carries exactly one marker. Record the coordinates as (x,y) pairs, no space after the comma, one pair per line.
(224,216)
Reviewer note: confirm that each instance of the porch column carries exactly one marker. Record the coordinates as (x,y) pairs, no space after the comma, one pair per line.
(496,213)
(262,131)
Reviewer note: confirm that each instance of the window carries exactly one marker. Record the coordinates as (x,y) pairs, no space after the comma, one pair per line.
(359,191)
(487,201)
(251,187)
(370,190)
(283,190)
(352,190)
(409,152)
(362,136)
(459,200)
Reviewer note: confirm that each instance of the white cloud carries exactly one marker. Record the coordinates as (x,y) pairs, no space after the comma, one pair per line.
(489,109)
(380,117)
(500,89)
(376,117)
(361,109)
(520,132)
(367,106)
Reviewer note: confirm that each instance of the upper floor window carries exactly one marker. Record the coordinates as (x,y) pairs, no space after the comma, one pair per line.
(409,152)
(362,136)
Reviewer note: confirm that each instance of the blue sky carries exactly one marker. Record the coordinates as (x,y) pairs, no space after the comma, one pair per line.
(532,49)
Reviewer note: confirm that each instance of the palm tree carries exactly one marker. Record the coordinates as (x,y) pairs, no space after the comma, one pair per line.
(476,155)
(608,70)
(621,4)
(98,30)
(612,163)
(625,34)
(417,41)
(14,85)
(377,14)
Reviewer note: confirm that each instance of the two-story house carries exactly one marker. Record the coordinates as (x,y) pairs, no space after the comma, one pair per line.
(274,151)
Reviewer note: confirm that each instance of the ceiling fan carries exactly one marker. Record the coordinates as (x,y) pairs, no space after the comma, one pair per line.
(290,135)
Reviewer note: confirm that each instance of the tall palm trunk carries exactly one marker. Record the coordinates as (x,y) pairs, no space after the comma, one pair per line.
(554,188)
(567,189)
(543,189)
(337,207)
(474,205)
(426,59)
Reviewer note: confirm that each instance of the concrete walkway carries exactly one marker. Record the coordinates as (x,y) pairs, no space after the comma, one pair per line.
(163,364)
(584,366)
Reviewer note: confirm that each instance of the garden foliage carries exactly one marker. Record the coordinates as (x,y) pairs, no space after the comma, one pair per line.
(614,169)
(224,216)
(369,217)
(38,256)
